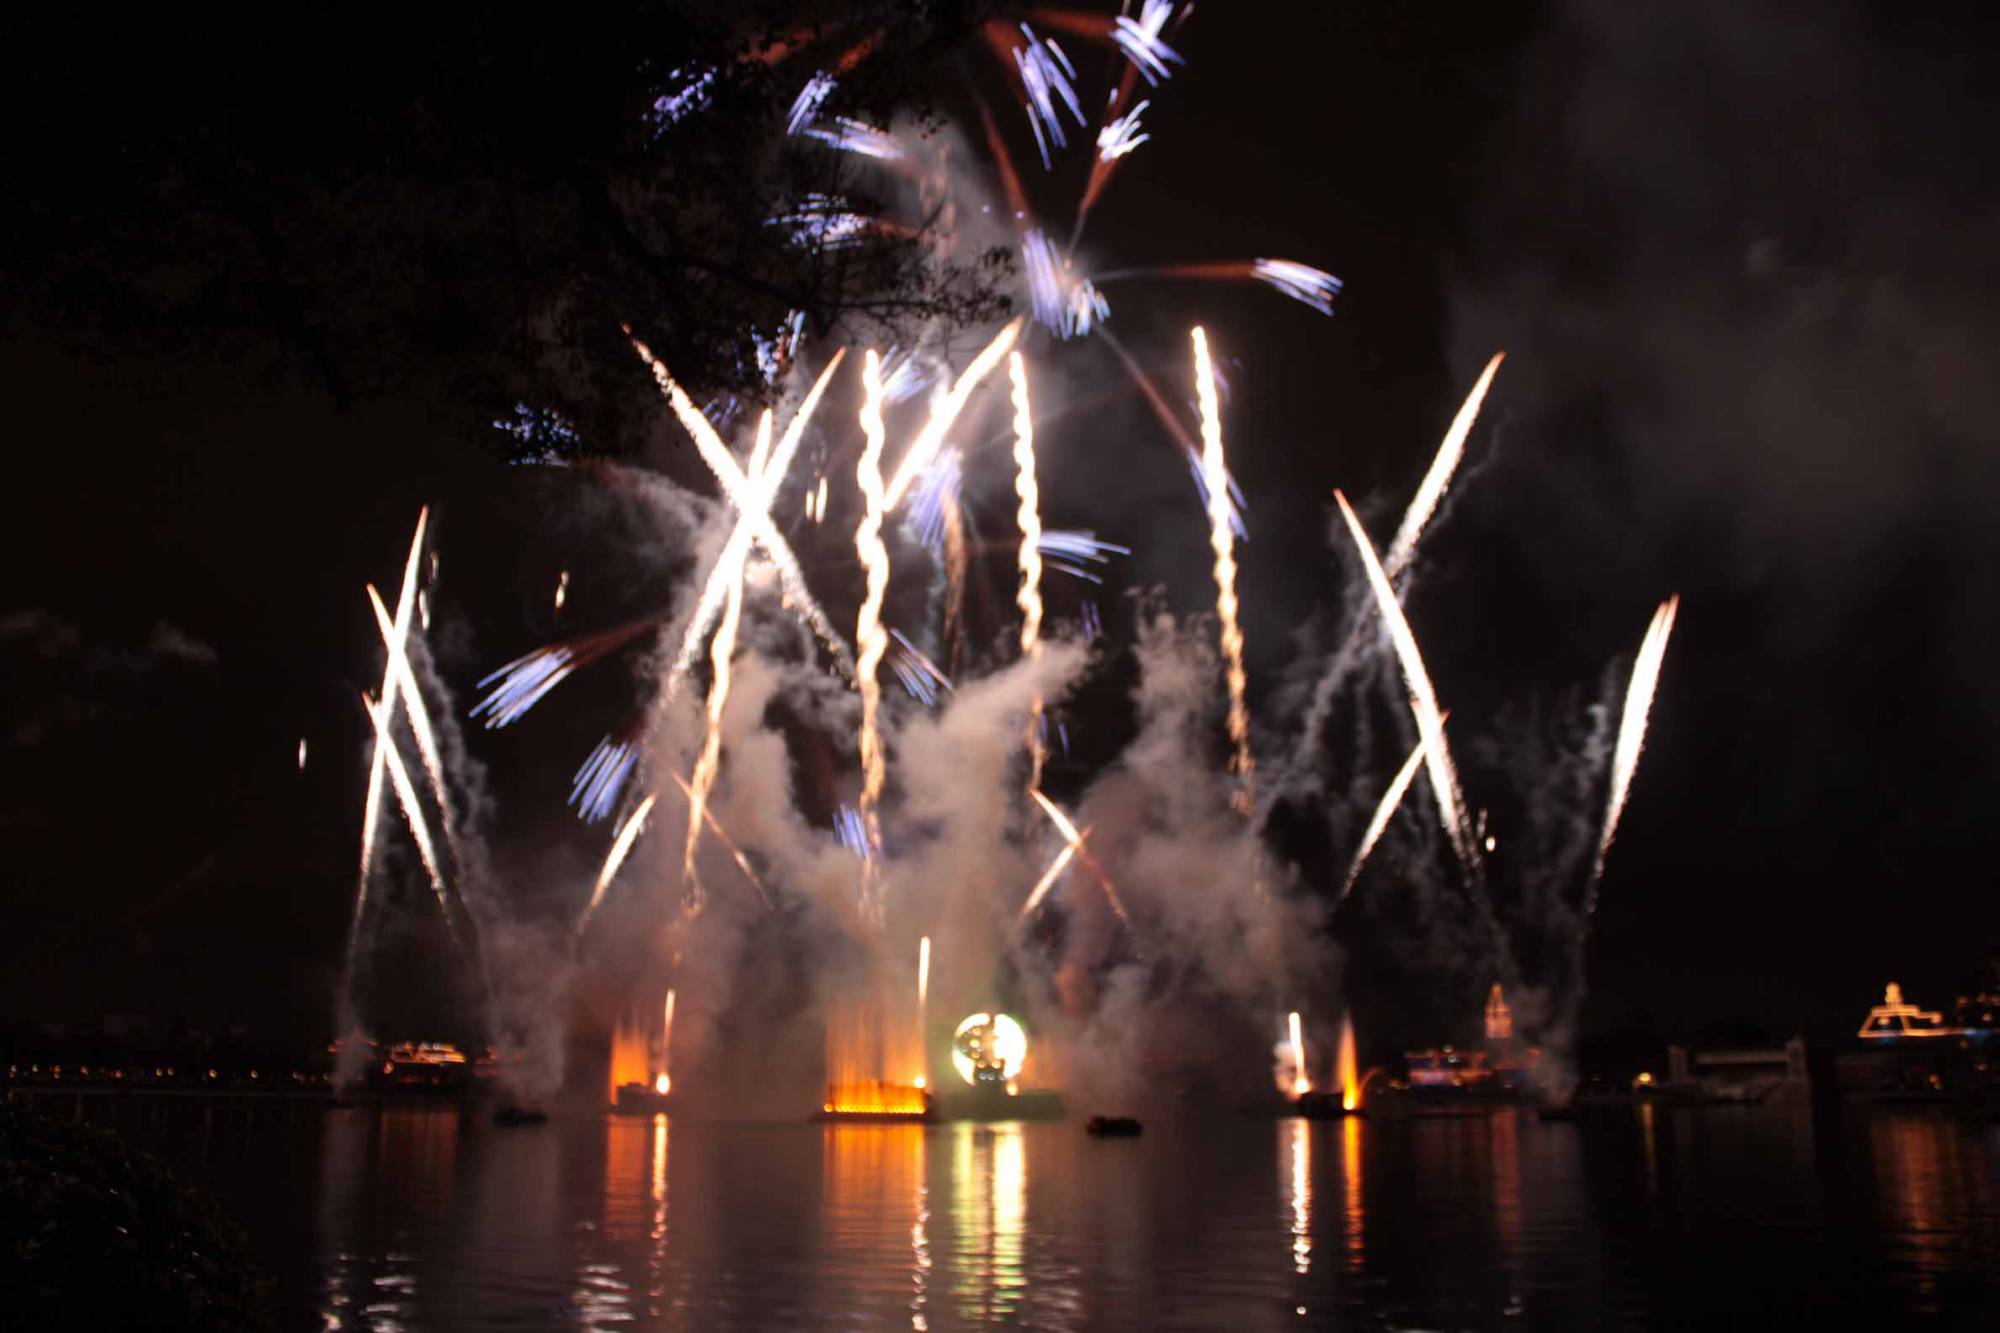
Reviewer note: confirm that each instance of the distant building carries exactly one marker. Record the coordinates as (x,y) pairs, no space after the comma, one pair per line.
(1750,1075)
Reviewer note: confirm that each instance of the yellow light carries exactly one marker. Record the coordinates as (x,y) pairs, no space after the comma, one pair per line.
(1004,1040)
(662,1084)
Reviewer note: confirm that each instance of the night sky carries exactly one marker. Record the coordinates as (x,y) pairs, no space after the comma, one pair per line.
(1743,267)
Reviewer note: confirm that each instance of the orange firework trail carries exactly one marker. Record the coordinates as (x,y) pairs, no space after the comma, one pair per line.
(944,412)
(1029,598)
(1391,799)
(1423,698)
(621,847)
(752,501)
(722,836)
(1425,502)
(721,650)
(1301,1084)
(371,809)
(1222,540)
(869,637)
(1632,732)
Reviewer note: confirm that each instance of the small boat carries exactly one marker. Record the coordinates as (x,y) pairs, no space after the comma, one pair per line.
(520,1115)
(1113,1127)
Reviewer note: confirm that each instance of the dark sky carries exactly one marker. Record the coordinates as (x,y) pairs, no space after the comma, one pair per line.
(1744,268)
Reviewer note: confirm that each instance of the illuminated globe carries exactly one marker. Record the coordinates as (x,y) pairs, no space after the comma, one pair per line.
(989,1048)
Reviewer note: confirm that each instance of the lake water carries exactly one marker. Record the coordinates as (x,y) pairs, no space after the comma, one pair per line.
(433,1218)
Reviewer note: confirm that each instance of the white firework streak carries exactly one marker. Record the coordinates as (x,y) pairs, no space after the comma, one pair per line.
(944,412)
(1423,699)
(1070,831)
(869,637)
(1053,873)
(1632,731)
(621,847)
(371,809)
(720,651)
(753,509)
(1302,282)
(1140,40)
(1391,799)
(1122,135)
(406,796)
(414,709)
(1425,502)
(1215,472)
(1029,598)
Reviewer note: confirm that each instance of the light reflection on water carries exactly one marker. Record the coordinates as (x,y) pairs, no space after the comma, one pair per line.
(433,1219)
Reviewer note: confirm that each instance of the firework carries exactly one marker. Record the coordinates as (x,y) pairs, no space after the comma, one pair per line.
(1222,542)
(302,754)
(810,99)
(621,847)
(598,783)
(920,676)
(853,136)
(413,704)
(1425,502)
(1301,1084)
(523,682)
(753,509)
(1049,82)
(1052,874)
(1391,799)
(729,844)
(1029,596)
(868,634)
(1140,40)
(923,1007)
(1423,698)
(1346,1068)
(371,809)
(1632,732)
(1074,838)
(406,796)
(1121,136)
(562,590)
(721,650)
(944,412)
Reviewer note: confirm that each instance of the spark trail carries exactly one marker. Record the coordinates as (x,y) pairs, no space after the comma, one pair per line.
(1632,734)
(1215,473)
(371,809)
(721,650)
(406,796)
(1029,598)
(415,710)
(1090,863)
(1423,699)
(1301,1084)
(870,639)
(1431,490)
(945,410)
(621,847)
(753,507)
(1379,824)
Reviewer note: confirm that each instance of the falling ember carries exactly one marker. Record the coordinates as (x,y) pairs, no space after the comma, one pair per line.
(371,809)
(1215,473)
(1632,731)
(944,412)
(621,846)
(1345,1068)
(1431,490)
(721,650)
(1301,1085)
(1029,598)
(302,754)
(663,1082)
(870,640)
(562,590)
(1423,698)
(1391,799)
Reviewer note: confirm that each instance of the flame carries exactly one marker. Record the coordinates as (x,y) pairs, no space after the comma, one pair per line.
(1029,598)
(874,1097)
(630,1060)
(1215,475)
(923,1006)
(1344,1068)
(1301,1085)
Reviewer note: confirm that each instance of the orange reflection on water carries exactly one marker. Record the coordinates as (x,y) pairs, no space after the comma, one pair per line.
(1350,1178)
(1933,1178)
(989,1209)
(876,1194)
(1506,1149)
